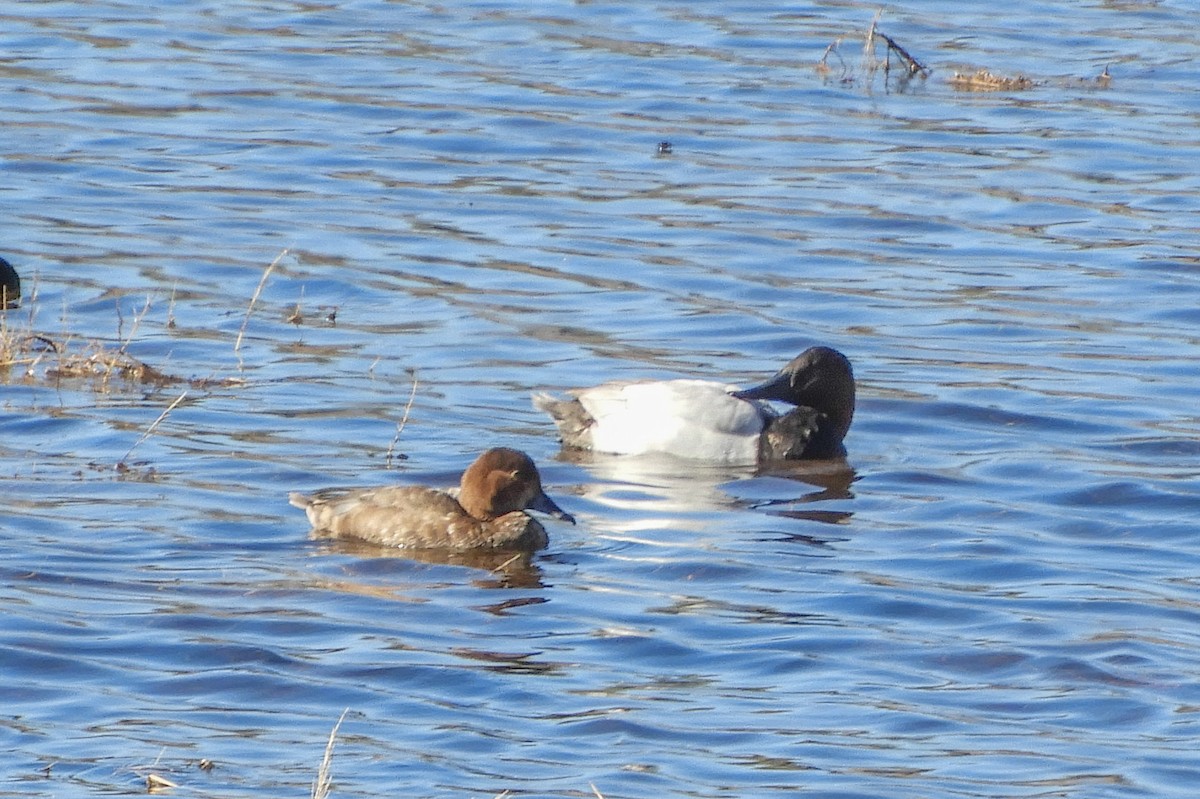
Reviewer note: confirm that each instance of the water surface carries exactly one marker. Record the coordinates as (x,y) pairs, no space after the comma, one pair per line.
(995,596)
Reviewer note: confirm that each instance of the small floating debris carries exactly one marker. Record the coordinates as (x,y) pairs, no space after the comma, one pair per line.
(984,81)
(156,783)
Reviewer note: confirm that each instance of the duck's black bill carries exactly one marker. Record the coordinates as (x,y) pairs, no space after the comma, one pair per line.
(777,388)
(546,505)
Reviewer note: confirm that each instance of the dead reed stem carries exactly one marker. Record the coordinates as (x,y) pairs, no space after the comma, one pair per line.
(133,328)
(150,430)
(403,421)
(323,784)
(869,43)
(237,346)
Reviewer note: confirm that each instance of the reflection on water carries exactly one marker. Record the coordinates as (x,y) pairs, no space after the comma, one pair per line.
(993,596)
(508,569)
(671,488)
(652,492)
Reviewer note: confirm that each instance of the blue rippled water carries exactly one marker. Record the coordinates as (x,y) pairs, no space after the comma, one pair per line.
(302,217)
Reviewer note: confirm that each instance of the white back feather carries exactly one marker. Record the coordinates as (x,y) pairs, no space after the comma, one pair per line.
(686,418)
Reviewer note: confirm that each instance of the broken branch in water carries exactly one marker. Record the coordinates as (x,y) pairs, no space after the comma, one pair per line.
(870,63)
(912,65)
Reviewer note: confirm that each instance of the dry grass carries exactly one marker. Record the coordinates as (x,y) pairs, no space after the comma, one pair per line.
(237,345)
(323,783)
(400,425)
(25,351)
(31,356)
(122,465)
(984,81)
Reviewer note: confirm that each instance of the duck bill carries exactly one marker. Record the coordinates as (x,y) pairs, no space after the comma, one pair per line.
(777,388)
(544,504)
